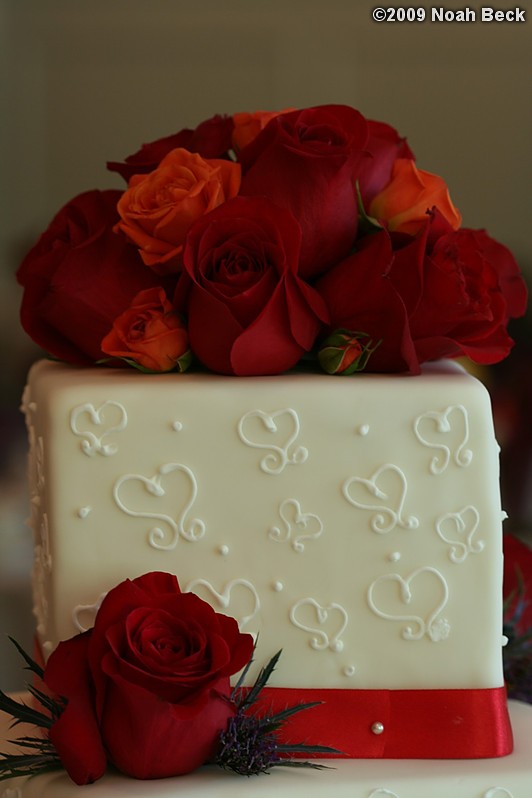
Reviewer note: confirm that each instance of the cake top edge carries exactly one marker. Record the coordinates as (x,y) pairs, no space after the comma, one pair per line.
(68,375)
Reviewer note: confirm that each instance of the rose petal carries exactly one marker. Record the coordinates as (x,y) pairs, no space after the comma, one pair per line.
(163,739)
(76,735)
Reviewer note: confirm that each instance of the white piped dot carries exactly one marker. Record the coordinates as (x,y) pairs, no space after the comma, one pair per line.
(349,670)
(278,587)
(377,727)
(177,426)
(504,641)
(504,515)
(224,550)
(363,429)
(395,556)
(83,512)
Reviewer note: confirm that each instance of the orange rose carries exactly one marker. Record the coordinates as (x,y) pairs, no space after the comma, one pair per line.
(158,208)
(150,333)
(247,126)
(403,204)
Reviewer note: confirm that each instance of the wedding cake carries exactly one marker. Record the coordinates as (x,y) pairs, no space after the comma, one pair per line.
(201,495)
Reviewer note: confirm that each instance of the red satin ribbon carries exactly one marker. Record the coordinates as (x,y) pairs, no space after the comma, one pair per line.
(416,724)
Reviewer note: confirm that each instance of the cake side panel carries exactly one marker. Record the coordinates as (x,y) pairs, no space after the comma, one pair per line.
(356,524)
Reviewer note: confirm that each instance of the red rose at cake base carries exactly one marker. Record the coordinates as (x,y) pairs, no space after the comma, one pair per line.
(148,687)
(78,278)
(248,310)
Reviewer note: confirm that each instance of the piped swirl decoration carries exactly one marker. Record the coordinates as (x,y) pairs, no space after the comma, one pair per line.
(432,624)
(310,616)
(109,418)
(284,427)
(448,433)
(465,523)
(179,526)
(294,519)
(389,513)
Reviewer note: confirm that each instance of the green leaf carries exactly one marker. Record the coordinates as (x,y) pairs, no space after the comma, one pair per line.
(261,681)
(32,665)
(24,714)
(366,224)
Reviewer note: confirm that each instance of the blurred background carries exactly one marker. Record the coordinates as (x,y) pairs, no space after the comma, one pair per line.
(86,82)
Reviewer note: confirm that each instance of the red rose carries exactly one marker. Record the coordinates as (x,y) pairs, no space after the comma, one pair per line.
(158,208)
(78,278)
(150,333)
(471,288)
(360,296)
(248,310)
(148,684)
(247,126)
(384,146)
(211,139)
(306,161)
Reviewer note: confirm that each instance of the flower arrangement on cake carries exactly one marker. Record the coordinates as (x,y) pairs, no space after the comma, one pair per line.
(259,240)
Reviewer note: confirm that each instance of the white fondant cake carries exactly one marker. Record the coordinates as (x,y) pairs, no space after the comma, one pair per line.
(354,523)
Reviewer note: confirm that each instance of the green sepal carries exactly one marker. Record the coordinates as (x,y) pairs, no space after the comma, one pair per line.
(182,364)
(366,224)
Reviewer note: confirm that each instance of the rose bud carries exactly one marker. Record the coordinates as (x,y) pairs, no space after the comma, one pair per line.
(345,352)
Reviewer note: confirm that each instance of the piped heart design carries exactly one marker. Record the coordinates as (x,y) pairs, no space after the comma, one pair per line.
(432,592)
(448,433)
(284,427)
(137,486)
(388,486)
(465,523)
(310,616)
(84,615)
(94,424)
(240,594)
(294,519)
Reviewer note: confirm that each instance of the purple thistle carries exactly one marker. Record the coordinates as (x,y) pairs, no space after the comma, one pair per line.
(246,748)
